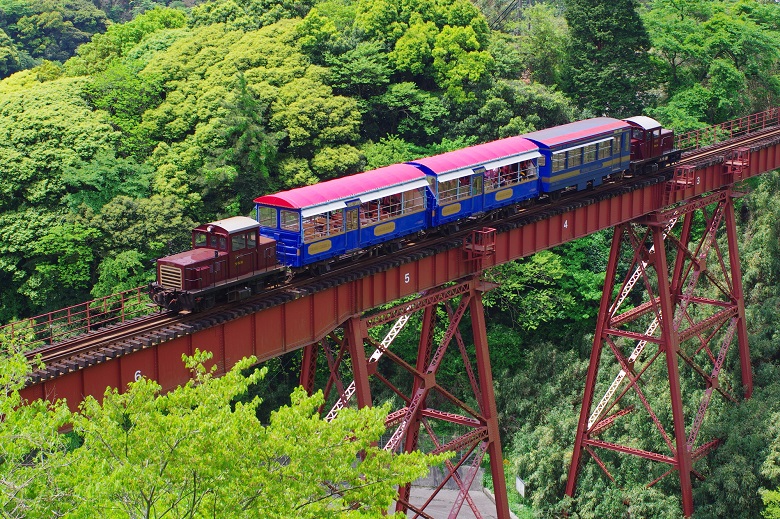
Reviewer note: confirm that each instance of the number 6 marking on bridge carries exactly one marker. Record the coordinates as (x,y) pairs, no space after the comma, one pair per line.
(138,375)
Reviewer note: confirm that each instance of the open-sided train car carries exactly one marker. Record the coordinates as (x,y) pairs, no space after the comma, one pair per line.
(481,178)
(312,224)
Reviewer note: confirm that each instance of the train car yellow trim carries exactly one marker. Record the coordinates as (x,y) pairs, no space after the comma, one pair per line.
(450,209)
(320,247)
(504,194)
(385,228)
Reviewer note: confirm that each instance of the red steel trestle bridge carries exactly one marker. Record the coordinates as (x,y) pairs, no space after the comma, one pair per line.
(677,310)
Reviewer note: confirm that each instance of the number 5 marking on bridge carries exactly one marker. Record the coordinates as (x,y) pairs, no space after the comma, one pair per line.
(407,278)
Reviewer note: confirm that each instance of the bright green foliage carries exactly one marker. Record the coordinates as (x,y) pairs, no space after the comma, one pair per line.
(390,150)
(458,62)
(772,502)
(719,60)
(415,113)
(607,70)
(47,29)
(30,445)
(248,15)
(197,452)
(119,40)
(543,38)
(63,266)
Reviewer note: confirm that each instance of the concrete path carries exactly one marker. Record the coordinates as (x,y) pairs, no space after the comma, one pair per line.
(442,505)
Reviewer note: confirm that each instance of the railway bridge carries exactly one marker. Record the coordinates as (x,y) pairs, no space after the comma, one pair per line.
(348,319)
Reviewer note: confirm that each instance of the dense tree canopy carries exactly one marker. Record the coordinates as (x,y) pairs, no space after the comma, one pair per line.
(117,138)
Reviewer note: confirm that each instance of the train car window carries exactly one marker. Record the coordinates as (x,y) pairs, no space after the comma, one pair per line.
(413,201)
(251,240)
(626,143)
(335,222)
(455,189)
(558,161)
(527,169)
(605,149)
(268,217)
(237,242)
(615,145)
(222,243)
(200,239)
(542,161)
(638,133)
(476,184)
(290,221)
(369,212)
(574,157)
(589,153)
(213,241)
(352,219)
(491,179)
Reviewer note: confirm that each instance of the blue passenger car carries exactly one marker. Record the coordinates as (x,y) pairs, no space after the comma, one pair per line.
(333,218)
(481,178)
(582,154)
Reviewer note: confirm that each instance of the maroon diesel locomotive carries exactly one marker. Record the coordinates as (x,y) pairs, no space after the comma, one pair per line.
(229,261)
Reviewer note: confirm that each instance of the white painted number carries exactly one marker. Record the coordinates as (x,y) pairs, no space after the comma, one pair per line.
(566,224)
(138,375)
(406,278)
(698,180)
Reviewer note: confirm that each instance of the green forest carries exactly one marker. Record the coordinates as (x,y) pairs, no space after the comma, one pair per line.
(125,123)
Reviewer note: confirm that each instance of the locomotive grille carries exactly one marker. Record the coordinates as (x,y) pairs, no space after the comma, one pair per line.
(170,277)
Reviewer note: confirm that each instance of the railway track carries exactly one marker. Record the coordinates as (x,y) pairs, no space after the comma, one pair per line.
(103,344)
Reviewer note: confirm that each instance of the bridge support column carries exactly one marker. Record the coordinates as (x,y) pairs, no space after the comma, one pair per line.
(686,307)
(430,405)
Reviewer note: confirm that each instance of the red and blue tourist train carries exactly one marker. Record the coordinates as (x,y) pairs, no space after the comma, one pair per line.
(310,227)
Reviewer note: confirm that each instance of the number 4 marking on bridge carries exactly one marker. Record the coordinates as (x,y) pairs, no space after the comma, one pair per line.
(566,224)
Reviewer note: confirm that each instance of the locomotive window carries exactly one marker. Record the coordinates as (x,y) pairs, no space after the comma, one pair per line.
(238,242)
(267,217)
(251,240)
(213,241)
(290,221)
(575,157)
(200,239)
(222,243)
(558,161)
(590,153)
(637,133)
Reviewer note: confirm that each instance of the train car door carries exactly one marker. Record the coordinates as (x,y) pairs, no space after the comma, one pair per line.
(352,227)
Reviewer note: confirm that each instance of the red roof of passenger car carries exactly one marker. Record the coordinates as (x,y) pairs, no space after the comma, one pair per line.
(475,155)
(343,188)
(576,131)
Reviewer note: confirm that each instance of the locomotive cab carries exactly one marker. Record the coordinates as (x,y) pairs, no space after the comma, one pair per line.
(225,256)
(649,140)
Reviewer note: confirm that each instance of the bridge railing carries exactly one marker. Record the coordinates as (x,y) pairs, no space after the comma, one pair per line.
(730,129)
(69,322)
